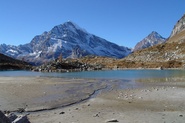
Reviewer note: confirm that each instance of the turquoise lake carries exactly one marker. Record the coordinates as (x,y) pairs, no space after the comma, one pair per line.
(109,74)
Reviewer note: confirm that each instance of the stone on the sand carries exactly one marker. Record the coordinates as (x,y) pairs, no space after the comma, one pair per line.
(21,119)
(62,112)
(12,118)
(181,115)
(112,121)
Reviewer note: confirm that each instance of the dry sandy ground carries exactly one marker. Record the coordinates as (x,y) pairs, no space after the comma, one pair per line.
(154,102)
(39,93)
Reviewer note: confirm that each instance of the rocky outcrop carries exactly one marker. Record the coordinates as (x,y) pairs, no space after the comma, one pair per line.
(67,65)
(86,63)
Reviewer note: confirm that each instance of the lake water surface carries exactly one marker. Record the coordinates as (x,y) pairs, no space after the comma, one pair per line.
(109,74)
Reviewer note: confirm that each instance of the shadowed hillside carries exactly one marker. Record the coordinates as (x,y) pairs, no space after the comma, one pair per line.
(7,63)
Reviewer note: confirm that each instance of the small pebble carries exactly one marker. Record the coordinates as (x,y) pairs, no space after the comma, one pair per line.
(97,115)
(181,115)
(62,112)
(112,121)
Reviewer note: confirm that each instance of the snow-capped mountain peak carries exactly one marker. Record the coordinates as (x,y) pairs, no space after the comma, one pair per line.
(75,26)
(67,39)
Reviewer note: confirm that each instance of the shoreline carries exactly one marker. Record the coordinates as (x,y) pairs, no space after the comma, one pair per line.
(106,69)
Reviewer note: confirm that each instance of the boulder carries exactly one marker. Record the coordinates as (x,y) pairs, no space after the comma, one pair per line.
(3,118)
(13,118)
(21,119)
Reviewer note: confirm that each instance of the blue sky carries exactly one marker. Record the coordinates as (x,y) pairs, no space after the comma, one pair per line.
(124,22)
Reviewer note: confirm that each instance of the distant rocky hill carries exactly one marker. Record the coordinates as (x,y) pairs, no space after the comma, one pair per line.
(168,55)
(7,63)
(67,39)
(151,40)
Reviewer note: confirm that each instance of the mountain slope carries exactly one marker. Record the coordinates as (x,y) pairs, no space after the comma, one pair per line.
(168,55)
(179,27)
(67,39)
(178,32)
(10,63)
(152,39)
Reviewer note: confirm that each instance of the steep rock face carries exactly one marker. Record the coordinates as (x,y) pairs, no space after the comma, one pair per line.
(178,32)
(152,39)
(170,54)
(179,27)
(67,39)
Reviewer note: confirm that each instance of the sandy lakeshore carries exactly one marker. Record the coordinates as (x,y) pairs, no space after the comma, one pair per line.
(41,93)
(116,101)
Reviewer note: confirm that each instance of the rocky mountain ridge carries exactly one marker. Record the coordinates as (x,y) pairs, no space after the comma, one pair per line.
(179,27)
